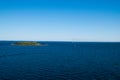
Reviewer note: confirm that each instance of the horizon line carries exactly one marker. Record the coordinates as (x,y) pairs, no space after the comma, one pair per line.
(61,41)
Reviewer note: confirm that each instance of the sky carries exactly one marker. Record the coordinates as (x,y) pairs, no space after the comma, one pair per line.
(60,20)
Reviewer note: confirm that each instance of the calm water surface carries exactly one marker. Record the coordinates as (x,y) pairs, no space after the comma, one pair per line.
(60,61)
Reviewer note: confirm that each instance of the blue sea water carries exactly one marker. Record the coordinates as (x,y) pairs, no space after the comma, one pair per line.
(60,61)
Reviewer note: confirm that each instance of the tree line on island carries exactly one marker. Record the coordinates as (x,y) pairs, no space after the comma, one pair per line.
(27,43)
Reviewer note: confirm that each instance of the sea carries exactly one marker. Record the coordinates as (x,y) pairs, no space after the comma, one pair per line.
(60,61)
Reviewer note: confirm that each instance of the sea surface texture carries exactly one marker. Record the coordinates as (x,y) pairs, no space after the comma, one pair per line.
(60,61)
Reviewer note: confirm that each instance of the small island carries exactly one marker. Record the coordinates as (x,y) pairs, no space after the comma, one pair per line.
(27,43)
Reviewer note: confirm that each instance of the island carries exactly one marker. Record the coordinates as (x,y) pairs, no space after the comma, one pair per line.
(27,43)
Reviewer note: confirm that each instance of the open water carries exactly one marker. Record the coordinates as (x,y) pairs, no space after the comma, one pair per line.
(60,61)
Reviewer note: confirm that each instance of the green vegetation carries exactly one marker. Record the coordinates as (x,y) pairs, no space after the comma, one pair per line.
(26,43)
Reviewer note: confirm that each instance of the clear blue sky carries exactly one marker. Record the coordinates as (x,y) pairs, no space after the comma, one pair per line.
(60,20)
